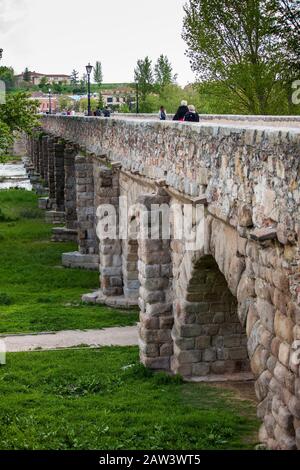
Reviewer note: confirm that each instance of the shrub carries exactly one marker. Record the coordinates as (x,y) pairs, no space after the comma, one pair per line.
(5,299)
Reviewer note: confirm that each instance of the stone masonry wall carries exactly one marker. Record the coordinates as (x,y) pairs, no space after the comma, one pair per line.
(250,178)
(70,153)
(107,192)
(85,205)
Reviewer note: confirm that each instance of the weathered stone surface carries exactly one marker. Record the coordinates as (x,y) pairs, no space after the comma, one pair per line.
(241,282)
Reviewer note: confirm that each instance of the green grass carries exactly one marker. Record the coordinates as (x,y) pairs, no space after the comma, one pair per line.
(104,399)
(9,158)
(36,292)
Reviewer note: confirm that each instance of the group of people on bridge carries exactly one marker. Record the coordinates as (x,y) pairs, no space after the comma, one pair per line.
(185,113)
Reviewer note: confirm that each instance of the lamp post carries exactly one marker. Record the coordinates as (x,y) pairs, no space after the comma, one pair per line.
(137,98)
(89,69)
(50,104)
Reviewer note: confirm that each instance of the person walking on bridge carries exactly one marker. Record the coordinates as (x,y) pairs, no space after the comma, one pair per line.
(181,111)
(191,115)
(162,114)
(106,112)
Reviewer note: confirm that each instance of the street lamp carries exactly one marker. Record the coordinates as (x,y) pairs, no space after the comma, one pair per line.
(50,106)
(137,98)
(89,69)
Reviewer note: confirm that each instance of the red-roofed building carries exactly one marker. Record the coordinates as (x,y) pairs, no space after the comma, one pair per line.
(36,78)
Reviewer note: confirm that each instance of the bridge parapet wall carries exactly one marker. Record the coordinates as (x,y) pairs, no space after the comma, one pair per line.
(249,173)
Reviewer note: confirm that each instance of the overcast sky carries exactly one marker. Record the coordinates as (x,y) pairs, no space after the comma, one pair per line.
(58,35)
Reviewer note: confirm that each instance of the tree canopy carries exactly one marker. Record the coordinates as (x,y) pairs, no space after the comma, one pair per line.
(240,47)
(7,76)
(163,72)
(18,114)
(98,75)
(143,76)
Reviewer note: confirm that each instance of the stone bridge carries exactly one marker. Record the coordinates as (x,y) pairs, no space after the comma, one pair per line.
(225,307)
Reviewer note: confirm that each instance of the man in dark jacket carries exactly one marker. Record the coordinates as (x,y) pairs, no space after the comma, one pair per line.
(106,112)
(191,115)
(181,111)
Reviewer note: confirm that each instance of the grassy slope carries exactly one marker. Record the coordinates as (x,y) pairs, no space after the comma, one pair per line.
(42,295)
(85,399)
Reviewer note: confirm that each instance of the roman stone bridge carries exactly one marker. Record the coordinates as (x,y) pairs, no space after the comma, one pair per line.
(225,307)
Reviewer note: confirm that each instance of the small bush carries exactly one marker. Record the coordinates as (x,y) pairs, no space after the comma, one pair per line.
(30,214)
(4,217)
(9,158)
(44,300)
(161,378)
(138,371)
(5,299)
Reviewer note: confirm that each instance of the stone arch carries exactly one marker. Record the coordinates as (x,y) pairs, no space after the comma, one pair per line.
(256,274)
(131,283)
(208,336)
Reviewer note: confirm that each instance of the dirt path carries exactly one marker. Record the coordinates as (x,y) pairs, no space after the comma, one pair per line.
(119,336)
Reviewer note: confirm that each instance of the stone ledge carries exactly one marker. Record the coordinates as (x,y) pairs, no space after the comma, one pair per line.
(237,377)
(54,217)
(79,260)
(43,203)
(263,234)
(64,234)
(120,301)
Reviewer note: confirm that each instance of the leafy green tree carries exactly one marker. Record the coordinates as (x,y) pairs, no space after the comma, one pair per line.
(143,77)
(163,72)
(288,28)
(98,75)
(27,75)
(82,105)
(18,114)
(74,77)
(287,17)
(65,102)
(100,104)
(6,138)
(7,76)
(234,44)
(44,84)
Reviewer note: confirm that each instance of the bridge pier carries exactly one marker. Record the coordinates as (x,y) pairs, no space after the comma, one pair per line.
(65,187)
(45,157)
(155,275)
(87,256)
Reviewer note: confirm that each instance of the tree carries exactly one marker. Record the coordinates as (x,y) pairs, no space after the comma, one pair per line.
(6,138)
(18,114)
(100,104)
(27,75)
(65,102)
(143,76)
(7,76)
(163,72)
(44,83)
(288,28)
(74,77)
(98,75)
(235,44)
